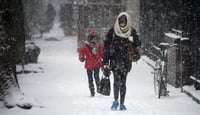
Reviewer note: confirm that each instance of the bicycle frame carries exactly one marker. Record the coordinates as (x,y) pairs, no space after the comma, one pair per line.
(160,77)
(160,80)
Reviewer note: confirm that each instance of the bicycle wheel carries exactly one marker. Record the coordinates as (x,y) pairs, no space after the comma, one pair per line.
(157,73)
(163,81)
(156,82)
(160,88)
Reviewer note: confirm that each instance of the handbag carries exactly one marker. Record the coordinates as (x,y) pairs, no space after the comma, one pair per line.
(133,53)
(105,86)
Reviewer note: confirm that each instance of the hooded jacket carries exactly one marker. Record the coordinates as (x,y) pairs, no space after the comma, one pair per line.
(91,52)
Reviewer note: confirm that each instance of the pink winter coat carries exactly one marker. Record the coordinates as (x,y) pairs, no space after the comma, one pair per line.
(92,60)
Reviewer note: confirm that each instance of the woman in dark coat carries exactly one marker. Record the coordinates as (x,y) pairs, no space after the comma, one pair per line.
(115,56)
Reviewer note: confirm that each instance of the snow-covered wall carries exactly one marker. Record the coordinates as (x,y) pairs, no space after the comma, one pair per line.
(177,60)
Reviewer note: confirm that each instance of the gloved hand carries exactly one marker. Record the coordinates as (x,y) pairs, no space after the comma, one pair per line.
(82,59)
(130,38)
(106,70)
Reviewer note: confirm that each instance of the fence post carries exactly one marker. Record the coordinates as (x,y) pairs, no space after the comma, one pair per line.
(181,66)
(173,59)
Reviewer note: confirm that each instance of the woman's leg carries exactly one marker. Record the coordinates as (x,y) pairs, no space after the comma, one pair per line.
(90,81)
(116,85)
(123,87)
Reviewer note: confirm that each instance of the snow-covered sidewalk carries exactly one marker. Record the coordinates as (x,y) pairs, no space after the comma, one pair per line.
(189,90)
(60,88)
(192,92)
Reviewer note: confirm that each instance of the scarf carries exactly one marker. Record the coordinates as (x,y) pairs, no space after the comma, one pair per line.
(123,32)
(93,47)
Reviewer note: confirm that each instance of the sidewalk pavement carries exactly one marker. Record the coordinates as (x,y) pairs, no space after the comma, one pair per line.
(194,94)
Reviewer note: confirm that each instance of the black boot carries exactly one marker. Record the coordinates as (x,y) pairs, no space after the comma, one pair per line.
(92,92)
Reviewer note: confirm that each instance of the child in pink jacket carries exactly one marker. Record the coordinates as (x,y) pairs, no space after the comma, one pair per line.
(91,53)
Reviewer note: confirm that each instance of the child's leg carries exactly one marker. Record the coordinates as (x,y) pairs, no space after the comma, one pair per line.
(90,81)
(96,77)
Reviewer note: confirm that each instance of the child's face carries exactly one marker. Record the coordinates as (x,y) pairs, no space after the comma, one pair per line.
(94,40)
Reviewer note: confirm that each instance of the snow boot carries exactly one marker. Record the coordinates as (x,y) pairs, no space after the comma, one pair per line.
(115,105)
(92,94)
(122,107)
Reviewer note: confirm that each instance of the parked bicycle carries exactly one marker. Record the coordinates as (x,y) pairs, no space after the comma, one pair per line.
(160,70)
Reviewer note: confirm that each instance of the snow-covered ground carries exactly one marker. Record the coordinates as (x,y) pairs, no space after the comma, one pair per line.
(55,32)
(61,88)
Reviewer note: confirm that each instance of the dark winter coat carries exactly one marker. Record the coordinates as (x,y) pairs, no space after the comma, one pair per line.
(92,60)
(115,52)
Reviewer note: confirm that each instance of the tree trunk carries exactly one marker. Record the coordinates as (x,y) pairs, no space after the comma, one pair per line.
(11,45)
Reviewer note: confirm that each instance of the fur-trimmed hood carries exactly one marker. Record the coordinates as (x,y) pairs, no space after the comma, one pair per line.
(90,36)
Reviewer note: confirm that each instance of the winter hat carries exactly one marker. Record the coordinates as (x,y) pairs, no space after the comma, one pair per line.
(92,33)
(123,32)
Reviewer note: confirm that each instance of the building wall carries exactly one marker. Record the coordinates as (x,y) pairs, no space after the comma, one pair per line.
(159,17)
(99,15)
(133,8)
